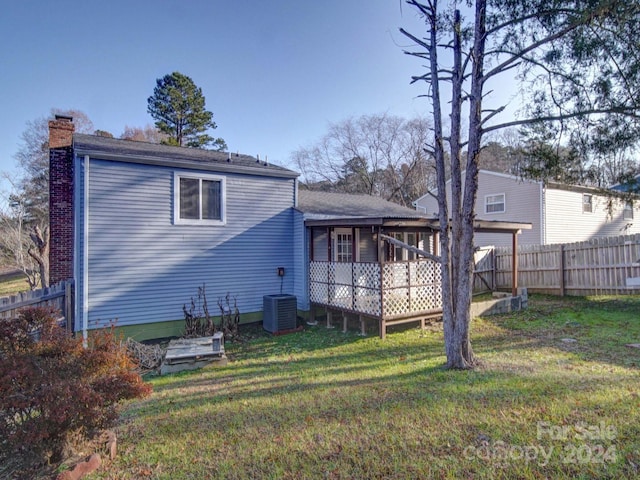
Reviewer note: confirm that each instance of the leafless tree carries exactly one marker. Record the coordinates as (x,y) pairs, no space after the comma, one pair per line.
(24,215)
(580,64)
(380,155)
(148,133)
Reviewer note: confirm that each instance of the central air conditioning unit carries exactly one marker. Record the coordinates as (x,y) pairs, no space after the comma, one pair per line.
(280,312)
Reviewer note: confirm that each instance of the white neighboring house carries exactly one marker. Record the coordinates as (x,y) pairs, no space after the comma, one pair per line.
(558,213)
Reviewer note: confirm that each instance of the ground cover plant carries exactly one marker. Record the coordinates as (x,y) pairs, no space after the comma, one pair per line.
(556,396)
(54,390)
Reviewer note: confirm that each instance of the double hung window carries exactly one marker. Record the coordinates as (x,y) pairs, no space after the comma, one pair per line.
(494,203)
(199,199)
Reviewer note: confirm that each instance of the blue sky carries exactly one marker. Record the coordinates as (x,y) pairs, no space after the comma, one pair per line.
(275,73)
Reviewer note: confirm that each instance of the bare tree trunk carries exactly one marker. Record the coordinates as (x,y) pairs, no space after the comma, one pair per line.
(455,337)
(464,357)
(40,253)
(430,12)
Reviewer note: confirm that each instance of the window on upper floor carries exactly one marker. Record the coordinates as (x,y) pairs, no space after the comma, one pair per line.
(587,203)
(494,203)
(627,213)
(199,199)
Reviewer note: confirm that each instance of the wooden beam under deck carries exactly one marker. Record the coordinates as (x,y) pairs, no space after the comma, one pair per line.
(383,323)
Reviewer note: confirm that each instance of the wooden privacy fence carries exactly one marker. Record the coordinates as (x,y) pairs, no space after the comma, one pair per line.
(484,278)
(609,265)
(59,296)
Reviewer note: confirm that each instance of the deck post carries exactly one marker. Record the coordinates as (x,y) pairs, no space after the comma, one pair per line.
(329,314)
(344,322)
(381,261)
(312,316)
(514,265)
(363,332)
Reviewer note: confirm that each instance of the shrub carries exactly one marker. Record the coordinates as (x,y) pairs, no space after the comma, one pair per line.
(53,387)
(199,323)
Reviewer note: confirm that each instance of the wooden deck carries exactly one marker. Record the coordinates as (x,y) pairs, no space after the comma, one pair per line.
(335,313)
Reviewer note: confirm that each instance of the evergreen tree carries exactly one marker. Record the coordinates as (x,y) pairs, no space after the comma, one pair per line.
(178,107)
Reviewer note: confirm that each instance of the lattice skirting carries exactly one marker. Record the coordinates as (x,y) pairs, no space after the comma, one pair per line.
(403,288)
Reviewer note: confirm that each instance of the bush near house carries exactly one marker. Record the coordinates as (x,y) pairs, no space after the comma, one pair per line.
(53,387)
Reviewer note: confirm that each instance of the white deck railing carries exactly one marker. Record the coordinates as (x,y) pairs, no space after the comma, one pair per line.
(390,290)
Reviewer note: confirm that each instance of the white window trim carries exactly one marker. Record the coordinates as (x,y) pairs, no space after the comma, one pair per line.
(504,203)
(627,211)
(176,199)
(355,256)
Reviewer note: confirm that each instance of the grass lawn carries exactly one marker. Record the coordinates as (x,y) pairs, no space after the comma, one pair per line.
(12,284)
(556,397)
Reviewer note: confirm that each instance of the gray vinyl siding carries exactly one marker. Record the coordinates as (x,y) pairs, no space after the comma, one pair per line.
(143,268)
(522,204)
(301,261)
(566,222)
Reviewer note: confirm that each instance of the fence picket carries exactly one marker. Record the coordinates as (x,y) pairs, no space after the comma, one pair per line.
(599,266)
(58,296)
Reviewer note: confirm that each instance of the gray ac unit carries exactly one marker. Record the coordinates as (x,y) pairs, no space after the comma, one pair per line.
(279,312)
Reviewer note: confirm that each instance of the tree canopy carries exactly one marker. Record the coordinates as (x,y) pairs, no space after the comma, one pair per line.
(24,217)
(178,108)
(578,63)
(381,155)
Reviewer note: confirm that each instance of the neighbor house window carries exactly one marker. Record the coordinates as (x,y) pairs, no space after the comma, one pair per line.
(627,213)
(494,203)
(587,203)
(199,199)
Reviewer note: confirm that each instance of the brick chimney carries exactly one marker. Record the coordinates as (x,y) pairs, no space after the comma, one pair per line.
(61,198)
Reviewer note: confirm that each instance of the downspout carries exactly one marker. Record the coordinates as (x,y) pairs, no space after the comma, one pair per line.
(543,227)
(85,255)
(77,310)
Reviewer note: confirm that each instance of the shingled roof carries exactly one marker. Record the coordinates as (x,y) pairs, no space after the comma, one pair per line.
(320,205)
(166,155)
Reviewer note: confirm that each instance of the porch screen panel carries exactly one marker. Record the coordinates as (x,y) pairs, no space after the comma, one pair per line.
(368,246)
(320,245)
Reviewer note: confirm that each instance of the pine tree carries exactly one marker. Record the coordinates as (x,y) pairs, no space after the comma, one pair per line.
(178,107)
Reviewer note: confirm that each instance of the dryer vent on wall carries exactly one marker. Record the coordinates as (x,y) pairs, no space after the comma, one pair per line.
(279,312)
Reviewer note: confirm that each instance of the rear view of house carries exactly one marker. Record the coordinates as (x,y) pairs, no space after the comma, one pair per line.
(140,227)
